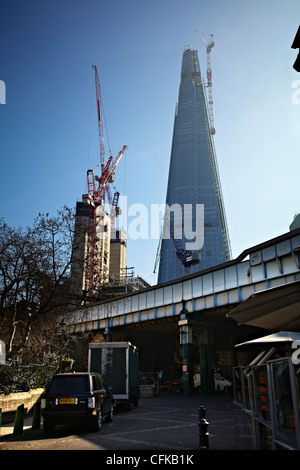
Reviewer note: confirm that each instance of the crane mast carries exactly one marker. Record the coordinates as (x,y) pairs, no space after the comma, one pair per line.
(209,47)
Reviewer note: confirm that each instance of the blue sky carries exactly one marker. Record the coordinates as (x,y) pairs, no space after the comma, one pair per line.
(48,126)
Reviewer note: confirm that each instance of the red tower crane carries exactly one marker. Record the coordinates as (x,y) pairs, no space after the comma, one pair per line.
(98,187)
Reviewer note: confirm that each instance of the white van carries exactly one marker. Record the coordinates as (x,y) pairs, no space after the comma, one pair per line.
(220,382)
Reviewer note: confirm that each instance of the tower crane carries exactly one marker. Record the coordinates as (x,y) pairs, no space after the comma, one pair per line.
(98,187)
(187,257)
(113,201)
(209,47)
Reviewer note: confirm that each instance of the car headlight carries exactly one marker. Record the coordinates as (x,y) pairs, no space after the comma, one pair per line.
(91,402)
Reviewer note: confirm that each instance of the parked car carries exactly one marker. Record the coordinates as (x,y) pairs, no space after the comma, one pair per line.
(79,397)
(174,386)
(220,382)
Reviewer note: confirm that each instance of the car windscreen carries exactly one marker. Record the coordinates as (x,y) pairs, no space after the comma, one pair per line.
(69,384)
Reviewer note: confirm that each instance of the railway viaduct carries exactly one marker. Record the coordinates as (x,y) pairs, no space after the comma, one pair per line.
(192,324)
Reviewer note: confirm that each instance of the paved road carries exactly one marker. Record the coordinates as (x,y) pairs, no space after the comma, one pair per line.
(165,422)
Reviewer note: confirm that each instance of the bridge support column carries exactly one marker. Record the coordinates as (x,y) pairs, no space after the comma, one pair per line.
(185,340)
(187,370)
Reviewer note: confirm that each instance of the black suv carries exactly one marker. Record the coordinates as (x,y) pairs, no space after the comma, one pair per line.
(76,397)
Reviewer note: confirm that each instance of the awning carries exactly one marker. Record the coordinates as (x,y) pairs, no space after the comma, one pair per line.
(273,339)
(277,308)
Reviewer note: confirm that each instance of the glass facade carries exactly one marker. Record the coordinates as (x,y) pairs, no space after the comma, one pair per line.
(193,179)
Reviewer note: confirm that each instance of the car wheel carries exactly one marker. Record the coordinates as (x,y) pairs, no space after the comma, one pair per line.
(110,415)
(48,425)
(97,425)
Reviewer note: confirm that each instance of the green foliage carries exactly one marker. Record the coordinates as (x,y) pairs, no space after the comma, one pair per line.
(21,378)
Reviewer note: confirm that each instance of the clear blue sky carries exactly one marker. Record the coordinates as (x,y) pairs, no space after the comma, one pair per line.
(48,126)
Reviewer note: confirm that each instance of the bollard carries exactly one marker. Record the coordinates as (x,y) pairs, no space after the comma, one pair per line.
(203,434)
(202,411)
(19,419)
(36,420)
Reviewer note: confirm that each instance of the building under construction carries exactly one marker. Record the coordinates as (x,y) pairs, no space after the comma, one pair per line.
(99,249)
(84,270)
(193,180)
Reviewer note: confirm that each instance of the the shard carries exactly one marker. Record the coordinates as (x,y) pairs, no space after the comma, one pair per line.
(193,183)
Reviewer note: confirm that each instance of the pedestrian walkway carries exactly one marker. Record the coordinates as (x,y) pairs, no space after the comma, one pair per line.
(164,422)
(7,428)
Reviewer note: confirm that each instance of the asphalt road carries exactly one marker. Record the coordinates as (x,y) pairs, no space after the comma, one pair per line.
(164,423)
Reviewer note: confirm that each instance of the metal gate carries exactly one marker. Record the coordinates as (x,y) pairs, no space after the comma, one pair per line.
(266,405)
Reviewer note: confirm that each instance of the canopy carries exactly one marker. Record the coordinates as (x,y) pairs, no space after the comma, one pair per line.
(275,338)
(277,308)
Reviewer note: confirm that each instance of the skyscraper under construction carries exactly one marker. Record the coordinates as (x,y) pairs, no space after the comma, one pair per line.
(193,179)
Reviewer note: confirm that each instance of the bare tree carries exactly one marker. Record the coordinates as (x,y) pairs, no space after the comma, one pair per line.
(35,287)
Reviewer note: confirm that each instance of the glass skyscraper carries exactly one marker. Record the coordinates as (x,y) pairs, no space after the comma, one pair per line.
(193,179)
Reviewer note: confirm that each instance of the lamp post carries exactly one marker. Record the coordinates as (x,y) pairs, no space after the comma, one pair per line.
(185,340)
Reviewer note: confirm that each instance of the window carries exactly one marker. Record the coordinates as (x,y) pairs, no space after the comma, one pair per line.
(69,384)
(96,382)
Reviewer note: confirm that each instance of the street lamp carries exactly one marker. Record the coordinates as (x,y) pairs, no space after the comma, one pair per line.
(186,340)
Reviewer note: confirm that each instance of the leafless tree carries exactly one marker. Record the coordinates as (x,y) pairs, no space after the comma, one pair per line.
(35,285)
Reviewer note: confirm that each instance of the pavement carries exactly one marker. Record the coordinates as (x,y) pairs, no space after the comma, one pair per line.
(7,428)
(167,421)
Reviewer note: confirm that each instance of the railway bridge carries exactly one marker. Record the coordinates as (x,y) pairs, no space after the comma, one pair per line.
(191,324)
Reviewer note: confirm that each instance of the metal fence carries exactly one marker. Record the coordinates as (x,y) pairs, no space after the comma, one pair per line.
(266,405)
